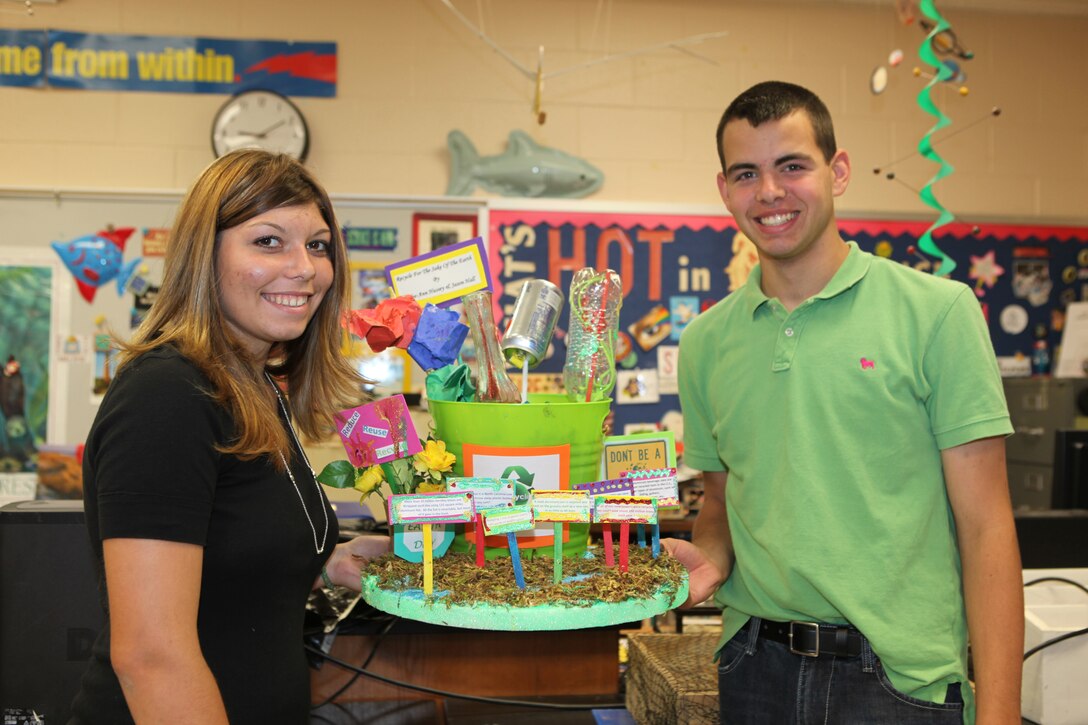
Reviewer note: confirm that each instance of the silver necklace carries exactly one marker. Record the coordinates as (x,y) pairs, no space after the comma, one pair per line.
(319,548)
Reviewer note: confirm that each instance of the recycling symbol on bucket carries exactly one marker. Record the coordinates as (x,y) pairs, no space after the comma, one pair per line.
(519,474)
(523,482)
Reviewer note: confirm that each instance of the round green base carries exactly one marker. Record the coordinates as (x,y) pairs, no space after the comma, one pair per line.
(412,604)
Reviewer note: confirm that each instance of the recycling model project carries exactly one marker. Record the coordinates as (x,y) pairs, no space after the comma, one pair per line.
(490,513)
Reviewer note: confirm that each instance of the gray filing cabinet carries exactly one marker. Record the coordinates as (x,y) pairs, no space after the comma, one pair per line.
(1038,407)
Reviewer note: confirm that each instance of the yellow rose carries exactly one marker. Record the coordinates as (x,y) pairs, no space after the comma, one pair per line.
(433,457)
(369,480)
(428,487)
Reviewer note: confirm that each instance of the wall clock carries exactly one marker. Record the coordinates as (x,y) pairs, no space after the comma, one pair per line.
(260,119)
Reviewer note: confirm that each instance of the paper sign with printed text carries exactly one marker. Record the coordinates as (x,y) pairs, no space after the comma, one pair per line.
(657,483)
(637,452)
(431,508)
(488,493)
(562,507)
(443,276)
(509,520)
(620,509)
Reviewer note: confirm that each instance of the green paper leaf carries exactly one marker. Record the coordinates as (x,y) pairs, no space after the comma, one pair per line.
(399,475)
(338,474)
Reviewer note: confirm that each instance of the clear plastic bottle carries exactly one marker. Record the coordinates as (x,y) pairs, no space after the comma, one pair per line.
(589,372)
(493,385)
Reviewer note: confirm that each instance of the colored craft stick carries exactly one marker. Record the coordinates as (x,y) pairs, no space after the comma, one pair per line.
(609,559)
(625,533)
(656,548)
(557,553)
(480,540)
(428,561)
(641,536)
(515,559)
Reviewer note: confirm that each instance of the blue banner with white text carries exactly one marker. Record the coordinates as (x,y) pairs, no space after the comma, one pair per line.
(165,64)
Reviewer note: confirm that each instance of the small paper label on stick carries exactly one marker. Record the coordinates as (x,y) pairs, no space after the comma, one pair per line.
(431,508)
(562,506)
(610,486)
(620,509)
(658,483)
(509,520)
(489,493)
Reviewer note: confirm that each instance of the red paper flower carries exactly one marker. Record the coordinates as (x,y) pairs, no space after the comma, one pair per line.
(392,322)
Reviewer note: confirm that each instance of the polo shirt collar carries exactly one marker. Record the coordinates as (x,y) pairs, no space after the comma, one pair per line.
(850,272)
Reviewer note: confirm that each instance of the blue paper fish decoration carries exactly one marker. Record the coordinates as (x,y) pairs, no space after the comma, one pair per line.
(525,169)
(96,259)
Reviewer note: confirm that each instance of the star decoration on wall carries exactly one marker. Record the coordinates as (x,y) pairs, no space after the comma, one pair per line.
(985,270)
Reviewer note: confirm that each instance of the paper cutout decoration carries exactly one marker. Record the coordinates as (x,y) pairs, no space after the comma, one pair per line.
(95,259)
(453,382)
(391,323)
(378,432)
(438,338)
(925,146)
(985,270)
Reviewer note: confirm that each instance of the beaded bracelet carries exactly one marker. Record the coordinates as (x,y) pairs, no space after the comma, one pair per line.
(325,578)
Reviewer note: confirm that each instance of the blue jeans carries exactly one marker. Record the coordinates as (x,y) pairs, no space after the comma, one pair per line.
(761,682)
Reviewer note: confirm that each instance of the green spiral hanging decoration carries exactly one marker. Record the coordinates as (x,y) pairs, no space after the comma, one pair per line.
(925,146)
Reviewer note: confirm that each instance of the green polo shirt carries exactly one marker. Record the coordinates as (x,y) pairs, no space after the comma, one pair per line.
(831,420)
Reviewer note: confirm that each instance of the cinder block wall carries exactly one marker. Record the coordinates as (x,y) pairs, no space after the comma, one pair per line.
(409,72)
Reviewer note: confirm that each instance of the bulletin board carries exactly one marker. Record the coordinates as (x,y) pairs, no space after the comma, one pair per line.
(675,264)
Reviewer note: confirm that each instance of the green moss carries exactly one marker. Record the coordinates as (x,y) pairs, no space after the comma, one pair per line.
(465,583)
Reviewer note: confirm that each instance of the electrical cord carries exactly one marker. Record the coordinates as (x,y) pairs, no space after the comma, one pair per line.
(461,696)
(1061,637)
(1063,580)
(373,651)
(1056,640)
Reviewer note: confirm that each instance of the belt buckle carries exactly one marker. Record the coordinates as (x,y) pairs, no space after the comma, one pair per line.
(815,627)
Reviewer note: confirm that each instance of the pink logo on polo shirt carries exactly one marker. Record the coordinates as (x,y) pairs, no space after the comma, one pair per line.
(867,364)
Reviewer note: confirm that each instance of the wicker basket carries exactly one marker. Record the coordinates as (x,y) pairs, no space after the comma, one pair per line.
(672,679)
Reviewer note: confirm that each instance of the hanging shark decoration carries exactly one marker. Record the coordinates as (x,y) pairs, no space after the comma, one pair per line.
(525,169)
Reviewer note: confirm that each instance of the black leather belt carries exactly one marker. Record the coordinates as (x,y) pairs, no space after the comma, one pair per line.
(811,639)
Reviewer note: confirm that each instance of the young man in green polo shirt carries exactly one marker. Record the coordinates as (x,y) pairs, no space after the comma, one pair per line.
(848,415)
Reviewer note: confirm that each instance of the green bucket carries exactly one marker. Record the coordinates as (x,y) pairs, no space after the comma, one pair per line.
(546,420)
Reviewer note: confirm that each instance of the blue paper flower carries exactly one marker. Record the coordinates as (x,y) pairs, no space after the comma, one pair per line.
(438,339)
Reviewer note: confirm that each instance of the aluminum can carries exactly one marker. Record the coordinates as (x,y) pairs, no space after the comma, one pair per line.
(531,326)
